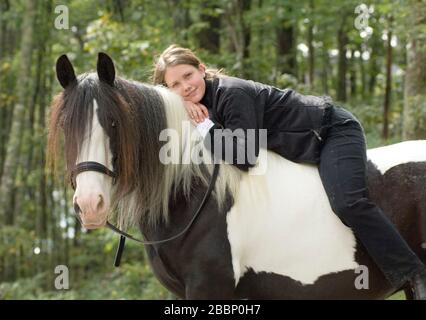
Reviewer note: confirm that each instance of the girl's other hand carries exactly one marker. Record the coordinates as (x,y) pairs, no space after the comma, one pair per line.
(196,111)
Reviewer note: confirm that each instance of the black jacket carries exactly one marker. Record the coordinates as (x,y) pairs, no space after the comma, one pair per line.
(296,124)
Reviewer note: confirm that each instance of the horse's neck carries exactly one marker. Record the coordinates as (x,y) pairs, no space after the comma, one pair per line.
(182,208)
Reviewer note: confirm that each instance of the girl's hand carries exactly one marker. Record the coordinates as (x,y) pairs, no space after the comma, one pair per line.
(196,111)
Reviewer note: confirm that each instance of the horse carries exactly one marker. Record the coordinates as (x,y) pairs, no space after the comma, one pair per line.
(260,235)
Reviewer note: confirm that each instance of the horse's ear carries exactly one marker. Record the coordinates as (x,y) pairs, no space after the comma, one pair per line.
(106,69)
(65,71)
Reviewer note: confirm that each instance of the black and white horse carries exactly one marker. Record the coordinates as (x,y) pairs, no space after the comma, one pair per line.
(262,235)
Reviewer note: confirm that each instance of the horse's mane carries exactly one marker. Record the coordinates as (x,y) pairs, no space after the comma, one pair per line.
(134,115)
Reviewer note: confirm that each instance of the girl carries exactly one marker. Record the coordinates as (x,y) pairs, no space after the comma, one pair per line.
(302,129)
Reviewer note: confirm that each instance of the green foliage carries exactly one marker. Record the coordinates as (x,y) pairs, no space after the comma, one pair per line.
(398,296)
(130,282)
(91,271)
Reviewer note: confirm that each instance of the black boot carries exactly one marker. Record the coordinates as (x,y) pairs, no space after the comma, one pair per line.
(418,284)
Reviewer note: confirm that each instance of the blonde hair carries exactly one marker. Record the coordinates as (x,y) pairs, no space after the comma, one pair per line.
(175,55)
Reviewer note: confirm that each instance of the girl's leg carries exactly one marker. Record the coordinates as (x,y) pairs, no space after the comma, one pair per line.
(343,173)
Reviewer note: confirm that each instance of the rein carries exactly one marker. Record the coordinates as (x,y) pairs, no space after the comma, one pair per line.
(98,167)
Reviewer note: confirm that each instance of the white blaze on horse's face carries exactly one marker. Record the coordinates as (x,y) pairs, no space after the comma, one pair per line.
(93,192)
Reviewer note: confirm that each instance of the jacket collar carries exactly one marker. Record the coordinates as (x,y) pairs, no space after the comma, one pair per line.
(207,100)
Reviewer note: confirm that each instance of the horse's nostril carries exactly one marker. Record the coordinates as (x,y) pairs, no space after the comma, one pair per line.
(100,203)
(77,209)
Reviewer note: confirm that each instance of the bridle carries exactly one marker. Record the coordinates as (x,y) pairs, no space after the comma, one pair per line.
(98,167)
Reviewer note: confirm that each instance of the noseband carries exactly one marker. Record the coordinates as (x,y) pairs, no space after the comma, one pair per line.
(90,166)
(98,167)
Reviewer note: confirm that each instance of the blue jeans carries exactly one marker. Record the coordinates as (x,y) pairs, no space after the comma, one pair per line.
(343,171)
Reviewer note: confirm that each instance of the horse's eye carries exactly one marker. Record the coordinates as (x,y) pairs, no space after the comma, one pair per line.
(113,124)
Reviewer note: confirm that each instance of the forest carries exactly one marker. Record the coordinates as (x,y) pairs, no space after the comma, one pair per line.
(369,57)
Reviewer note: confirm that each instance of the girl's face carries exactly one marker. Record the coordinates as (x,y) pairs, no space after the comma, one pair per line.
(187,81)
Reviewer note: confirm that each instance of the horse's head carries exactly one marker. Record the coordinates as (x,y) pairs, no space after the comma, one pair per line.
(89,112)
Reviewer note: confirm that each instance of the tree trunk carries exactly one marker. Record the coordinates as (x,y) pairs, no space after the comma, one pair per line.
(45,85)
(362,73)
(414,124)
(260,33)
(326,69)
(12,156)
(311,45)
(181,18)
(118,8)
(13,153)
(246,4)
(352,75)
(342,41)
(388,88)
(209,37)
(239,33)
(286,54)
(4,7)
(373,65)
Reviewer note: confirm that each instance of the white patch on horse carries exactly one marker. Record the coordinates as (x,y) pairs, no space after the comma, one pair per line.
(95,147)
(387,157)
(282,223)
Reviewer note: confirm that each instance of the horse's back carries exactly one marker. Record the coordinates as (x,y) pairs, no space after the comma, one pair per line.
(387,157)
